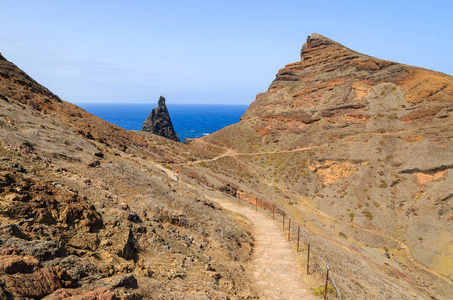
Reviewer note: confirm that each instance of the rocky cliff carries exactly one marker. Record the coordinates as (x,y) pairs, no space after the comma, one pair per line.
(359,148)
(159,122)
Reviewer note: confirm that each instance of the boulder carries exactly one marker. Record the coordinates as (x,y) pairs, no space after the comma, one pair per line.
(36,285)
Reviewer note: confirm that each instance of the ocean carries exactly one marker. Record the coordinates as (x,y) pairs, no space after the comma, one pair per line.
(189,121)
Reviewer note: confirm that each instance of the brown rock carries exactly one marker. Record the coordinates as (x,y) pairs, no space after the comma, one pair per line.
(37,284)
(12,264)
(101,293)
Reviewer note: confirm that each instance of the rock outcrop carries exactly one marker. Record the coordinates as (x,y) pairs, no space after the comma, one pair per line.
(159,122)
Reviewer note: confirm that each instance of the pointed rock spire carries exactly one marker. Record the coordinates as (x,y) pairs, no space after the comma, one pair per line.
(159,122)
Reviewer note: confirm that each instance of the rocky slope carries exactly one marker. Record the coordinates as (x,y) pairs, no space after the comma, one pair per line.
(86,212)
(366,142)
(356,149)
(159,122)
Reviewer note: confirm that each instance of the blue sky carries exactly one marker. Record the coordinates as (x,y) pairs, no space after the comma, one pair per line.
(205,51)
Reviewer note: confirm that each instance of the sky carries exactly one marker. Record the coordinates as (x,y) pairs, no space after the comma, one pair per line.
(205,52)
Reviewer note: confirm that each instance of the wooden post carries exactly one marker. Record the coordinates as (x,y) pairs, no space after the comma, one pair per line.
(298,232)
(273,211)
(308,259)
(283,220)
(327,279)
(289,229)
(256,204)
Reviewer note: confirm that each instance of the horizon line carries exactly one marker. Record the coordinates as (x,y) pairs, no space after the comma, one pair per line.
(178,103)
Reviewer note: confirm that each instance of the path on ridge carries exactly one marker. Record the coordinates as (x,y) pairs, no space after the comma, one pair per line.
(274,263)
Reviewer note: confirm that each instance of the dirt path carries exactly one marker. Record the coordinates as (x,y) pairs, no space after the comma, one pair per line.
(275,269)
(231,152)
(274,262)
(170,173)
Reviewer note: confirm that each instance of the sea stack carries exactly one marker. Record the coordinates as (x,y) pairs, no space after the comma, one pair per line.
(159,122)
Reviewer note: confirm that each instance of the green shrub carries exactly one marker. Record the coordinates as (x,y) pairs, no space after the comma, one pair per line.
(368,215)
(320,291)
(383,184)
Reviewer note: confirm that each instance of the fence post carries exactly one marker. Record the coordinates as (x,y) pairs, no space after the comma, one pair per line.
(298,232)
(283,220)
(308,259)
(273,211)
(256,204)
(289,230)
(327,279)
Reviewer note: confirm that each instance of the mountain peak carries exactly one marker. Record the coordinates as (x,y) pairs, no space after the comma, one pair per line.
(356,137)
(316,39)
(317,42)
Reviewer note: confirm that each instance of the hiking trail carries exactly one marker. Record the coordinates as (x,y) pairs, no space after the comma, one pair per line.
(275,269)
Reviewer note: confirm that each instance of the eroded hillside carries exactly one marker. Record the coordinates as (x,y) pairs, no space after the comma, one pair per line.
(360,149)
(87,211)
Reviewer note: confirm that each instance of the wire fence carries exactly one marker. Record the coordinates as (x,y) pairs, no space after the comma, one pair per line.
(320,274)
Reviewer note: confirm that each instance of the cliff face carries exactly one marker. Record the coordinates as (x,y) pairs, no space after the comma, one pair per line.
(159,122)
(364,140)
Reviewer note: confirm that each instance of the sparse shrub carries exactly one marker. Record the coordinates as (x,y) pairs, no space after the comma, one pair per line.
(383,184)
(320,291)
(368,215)
(351,216)
(376,204)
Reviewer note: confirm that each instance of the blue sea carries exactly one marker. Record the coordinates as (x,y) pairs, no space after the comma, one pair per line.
(189,121)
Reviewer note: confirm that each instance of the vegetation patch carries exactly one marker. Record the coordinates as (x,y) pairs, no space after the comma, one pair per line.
(320,291)
(368,215)
(383,184)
